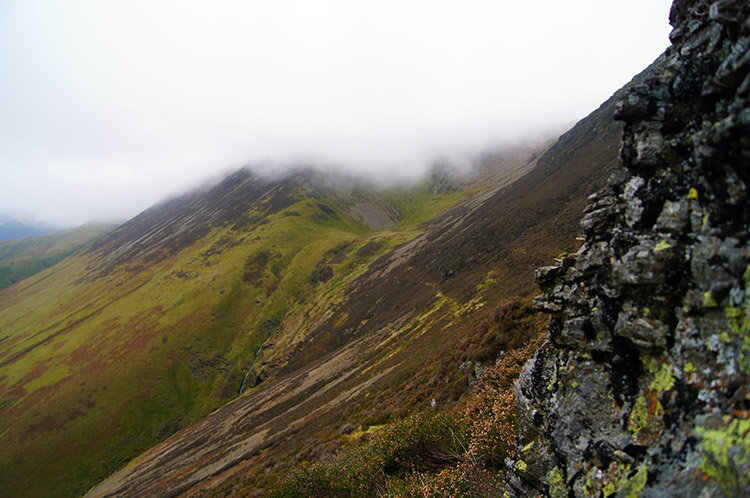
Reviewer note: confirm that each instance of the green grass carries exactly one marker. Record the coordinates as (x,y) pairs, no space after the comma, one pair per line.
(420,204)
(20,259)
(101,369)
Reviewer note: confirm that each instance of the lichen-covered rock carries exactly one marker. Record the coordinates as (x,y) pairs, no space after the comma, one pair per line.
(643,387)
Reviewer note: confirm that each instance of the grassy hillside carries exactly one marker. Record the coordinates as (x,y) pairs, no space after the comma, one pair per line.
(158,323)
(20,259)
(329,303)
(371,344)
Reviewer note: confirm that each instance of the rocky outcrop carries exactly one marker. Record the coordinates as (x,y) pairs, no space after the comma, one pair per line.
(643,387)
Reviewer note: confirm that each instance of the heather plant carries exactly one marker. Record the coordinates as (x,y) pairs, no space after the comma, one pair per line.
(467,480)
(435,454)
(420,443)
(490,410)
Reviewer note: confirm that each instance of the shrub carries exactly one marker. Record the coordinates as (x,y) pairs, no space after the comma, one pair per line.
(490,409)
(423,442)
(466,480)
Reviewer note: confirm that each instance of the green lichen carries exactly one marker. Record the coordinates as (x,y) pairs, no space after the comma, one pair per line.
(689,368)
(642,413)
(557,488)
(726,452)
(744,357)
(527,448)
(709,301)
(663,380)
(739,325)
(521,466)
(639,416)
(662,245)
(608,489)
(630,487)
(553,380)
(692,194)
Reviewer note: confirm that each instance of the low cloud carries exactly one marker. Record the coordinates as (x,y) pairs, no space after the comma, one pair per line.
(110,106)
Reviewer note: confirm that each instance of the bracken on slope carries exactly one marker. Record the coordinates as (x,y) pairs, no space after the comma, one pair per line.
(643,386)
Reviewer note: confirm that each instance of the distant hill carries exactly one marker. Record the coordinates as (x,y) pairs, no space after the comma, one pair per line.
(22,258)
(13,229)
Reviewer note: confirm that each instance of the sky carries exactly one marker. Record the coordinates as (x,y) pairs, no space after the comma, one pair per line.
(106,107)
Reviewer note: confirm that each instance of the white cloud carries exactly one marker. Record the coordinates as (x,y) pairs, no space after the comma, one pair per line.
(109,106)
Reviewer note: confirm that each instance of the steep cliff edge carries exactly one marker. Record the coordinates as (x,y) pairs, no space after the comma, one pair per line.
(643,387)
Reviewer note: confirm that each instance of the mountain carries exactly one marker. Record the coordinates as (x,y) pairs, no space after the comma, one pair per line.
(376,341)
(158,323)
(20,259)
(222,337)
(13,229)
(357,345)
(267,283)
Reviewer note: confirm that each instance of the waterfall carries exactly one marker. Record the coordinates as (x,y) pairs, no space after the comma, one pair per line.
(252,365)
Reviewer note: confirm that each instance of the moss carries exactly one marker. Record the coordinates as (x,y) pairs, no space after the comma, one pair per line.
(726,452)
(557,488)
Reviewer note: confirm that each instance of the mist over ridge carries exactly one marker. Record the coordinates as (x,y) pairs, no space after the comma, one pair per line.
(109,108)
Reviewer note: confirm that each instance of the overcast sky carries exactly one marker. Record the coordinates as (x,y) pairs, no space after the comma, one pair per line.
(108,106)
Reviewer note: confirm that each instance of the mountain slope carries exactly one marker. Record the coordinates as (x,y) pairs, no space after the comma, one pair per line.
(20,259)
(324,300)
(392,340)
(158,323)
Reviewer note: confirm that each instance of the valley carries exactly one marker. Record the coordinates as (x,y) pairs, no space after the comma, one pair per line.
(158,323)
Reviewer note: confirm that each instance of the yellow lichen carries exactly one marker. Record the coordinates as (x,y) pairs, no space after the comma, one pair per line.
(709,301)
(557,488)
(663,380)
(662,245)
(639,416)
(634,485)
(727,450)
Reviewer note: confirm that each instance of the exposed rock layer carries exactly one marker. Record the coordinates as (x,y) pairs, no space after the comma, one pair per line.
(643,387)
